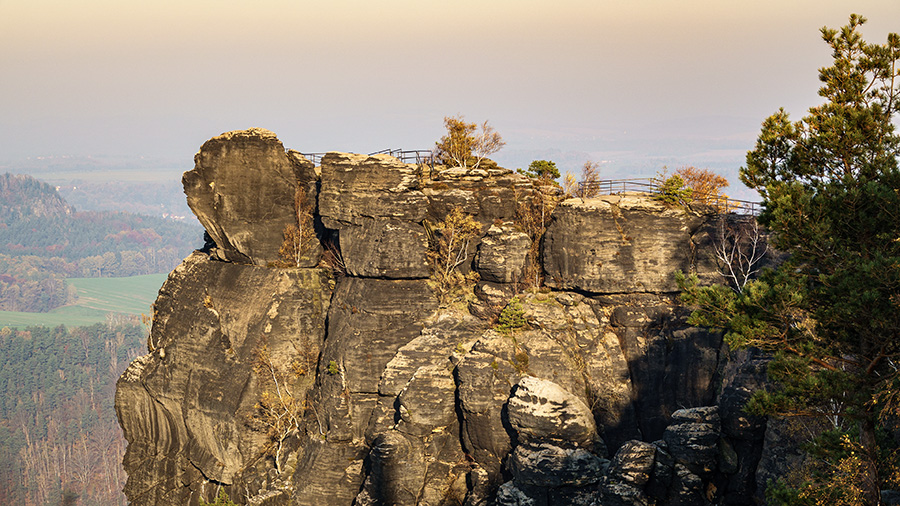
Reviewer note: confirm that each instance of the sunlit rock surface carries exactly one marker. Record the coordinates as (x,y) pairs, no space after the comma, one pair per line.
(605,395)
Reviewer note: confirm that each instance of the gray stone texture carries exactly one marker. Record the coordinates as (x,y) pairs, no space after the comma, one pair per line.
(605,396)
(618,244)
(242,190)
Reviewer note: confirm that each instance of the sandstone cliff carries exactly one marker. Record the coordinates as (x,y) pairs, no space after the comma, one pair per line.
(603,396)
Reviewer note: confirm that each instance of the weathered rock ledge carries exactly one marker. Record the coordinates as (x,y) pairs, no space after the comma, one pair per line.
(605,395)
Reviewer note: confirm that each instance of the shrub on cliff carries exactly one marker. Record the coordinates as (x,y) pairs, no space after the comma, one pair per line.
(448,249)
(705,186)
(671,190)
(544,170)
(222,499)
(533,212)
(512,317)
(588,186)
(279,410)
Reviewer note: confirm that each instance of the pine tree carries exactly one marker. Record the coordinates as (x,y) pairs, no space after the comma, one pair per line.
(830,314)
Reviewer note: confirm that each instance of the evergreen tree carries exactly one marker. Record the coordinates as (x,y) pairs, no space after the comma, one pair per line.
(542,169)
(830,314)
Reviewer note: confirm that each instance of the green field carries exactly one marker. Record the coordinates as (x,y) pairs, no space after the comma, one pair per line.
(96,298)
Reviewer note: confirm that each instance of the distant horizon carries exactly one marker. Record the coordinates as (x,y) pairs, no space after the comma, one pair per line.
(637,156)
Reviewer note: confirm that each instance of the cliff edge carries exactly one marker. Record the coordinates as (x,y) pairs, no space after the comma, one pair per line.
(348,380)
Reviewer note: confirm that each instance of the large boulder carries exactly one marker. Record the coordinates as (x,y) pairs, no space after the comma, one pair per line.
(548,465)
(633,463)
(541,410)
(693,439)
(242,190)
(368,186)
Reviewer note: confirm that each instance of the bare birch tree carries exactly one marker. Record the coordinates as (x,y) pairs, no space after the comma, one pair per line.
(740,247)
(279,410)
(299,237)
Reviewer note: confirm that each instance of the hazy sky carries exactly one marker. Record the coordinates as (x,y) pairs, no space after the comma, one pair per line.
(611,80)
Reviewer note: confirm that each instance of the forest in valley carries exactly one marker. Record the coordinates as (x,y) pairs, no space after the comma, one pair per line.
(60,441)
(44,240)
(59,437)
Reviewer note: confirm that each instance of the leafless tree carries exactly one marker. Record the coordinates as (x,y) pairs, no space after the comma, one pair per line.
(590,177)
(740,247)
(278,408)
(486,142)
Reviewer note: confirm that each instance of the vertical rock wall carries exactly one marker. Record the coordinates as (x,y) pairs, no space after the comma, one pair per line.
(604,394)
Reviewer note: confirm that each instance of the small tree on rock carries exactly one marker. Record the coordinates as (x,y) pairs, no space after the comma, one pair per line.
(300,236)
(449,249)
(279,410)
(590,180)
(533,211)
(544,170)
(466,145)
(705,185)
(671,190)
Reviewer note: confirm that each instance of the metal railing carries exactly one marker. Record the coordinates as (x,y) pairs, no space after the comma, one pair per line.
(315,158)
(652,186)
(418,156)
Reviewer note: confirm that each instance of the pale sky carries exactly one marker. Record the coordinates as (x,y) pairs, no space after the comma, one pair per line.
(626,81)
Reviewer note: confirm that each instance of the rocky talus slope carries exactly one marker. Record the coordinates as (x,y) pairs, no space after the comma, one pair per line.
(605,397)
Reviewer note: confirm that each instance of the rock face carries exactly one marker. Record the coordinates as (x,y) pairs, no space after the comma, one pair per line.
(185,406)
(600,394)
(242,191)
(618,244)
(502,254)
(376,204)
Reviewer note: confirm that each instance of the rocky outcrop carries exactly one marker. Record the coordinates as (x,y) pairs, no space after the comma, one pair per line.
(599,392)
(557,445)
(673,471)
(242,190)
(619,244)
(376,204)
(185,407)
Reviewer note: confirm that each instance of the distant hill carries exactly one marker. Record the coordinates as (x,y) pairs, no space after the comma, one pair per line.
(44,240)
(23,197)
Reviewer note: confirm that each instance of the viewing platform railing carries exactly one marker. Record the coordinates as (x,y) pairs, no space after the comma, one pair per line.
(315,158)
(652,186)
(419,156)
